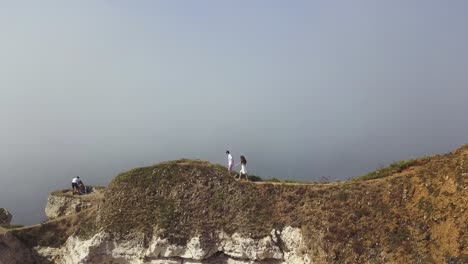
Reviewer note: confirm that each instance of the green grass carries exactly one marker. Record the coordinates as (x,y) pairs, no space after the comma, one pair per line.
(395,167)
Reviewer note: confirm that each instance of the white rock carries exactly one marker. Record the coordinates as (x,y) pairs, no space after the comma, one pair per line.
(294,245)
(236,249)
(61,205)
(159,247)
(5,217)
(194,250)
(241,247)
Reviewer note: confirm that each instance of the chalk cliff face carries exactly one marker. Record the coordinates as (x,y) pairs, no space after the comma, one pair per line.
(61,205)
(194,212)
(282,246)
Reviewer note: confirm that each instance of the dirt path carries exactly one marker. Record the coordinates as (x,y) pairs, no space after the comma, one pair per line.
(58,219)
(300,183)
(96,196)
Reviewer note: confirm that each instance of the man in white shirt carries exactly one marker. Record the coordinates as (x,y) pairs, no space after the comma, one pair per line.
(75,187)
(230,161)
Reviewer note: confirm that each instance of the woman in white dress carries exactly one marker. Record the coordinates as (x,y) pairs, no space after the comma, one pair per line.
(243,171)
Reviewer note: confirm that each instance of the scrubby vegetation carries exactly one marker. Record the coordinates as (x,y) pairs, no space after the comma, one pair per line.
(54,233)
(254,178)
(394,168)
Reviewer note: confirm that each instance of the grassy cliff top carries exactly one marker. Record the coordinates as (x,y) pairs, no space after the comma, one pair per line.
(415,212)
(97,193)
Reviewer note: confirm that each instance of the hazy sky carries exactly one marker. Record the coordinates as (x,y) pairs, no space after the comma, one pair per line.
(304,89)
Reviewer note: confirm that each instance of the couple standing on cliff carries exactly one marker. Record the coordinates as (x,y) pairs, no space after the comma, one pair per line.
(243,163)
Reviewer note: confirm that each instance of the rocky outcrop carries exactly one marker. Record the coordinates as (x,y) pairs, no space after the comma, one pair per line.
(282,246)
(5,217)
(62,203)
(13,251)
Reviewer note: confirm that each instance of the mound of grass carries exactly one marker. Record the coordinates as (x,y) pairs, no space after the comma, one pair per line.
(395,167)
(254,178)
(10,226)
(181,198)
